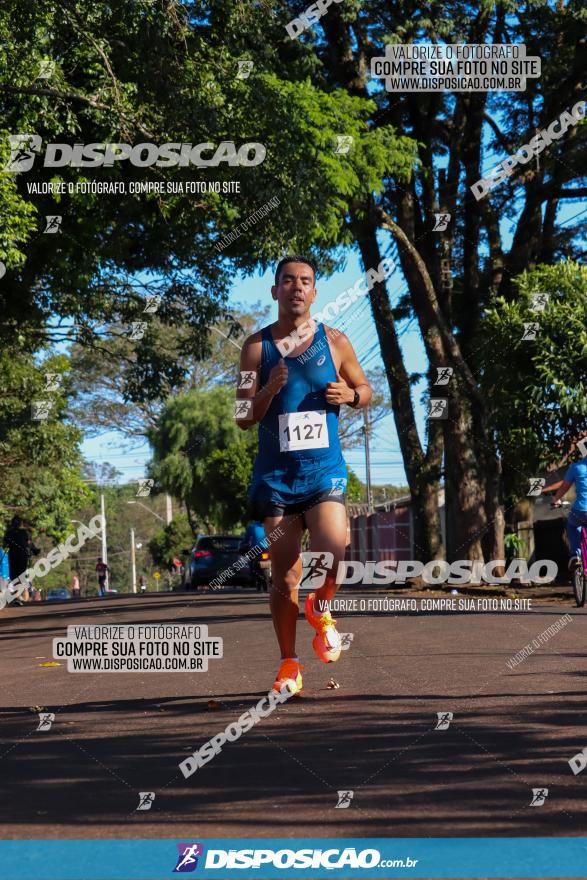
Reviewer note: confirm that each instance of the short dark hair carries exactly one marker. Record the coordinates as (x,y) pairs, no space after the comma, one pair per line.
(294,258)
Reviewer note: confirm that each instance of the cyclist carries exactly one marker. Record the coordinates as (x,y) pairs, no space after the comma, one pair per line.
(577,518)
(299,468)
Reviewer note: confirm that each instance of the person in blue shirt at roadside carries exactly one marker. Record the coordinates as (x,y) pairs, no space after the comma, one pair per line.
(255,534)
(577,475)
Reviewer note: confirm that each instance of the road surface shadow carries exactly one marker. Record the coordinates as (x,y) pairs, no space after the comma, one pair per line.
(407,778)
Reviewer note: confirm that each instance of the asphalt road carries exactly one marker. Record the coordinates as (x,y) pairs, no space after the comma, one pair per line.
(116,734)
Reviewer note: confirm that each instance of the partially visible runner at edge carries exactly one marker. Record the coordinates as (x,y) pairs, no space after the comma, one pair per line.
(299,476)
(577,518)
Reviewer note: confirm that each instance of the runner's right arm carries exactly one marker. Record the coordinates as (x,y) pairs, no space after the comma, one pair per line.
(251,362)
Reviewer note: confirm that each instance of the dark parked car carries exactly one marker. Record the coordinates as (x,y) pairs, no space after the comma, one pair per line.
(214,556)
(58,594)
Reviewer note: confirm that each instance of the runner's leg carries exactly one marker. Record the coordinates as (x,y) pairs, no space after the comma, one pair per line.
(286,570)
(327,524)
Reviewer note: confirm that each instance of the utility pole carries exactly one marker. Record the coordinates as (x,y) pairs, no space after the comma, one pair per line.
(367,458)
(104,544)
(168,508)
(133,563)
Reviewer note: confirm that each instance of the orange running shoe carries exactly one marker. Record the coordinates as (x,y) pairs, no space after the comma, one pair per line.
(326,643)
(290,674)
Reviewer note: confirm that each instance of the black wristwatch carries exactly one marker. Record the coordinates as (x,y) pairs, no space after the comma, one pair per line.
(355,399)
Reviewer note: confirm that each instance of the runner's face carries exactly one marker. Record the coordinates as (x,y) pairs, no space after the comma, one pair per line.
(295,291)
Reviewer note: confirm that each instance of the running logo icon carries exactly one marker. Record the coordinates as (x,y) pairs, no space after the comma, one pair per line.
(444,719)
(344,143)
(46,719)
(40,410)
(52,224)
(187,860)
(539,796)
(247,379)
(145,487)
(23,150)
(146,799)
(438,408)
(152,303)
(244,69)
(242,408)
(530,330)
(539,301)
(46,69)
(315,567)
(443,375)
(52,381)
(344,800)
(338,486)
(345,640)
(441,222)
(137,330)
(536,486)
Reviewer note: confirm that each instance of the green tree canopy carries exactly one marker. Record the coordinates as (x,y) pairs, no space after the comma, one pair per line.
(537,388)
(171,542)
(40,460)
(200,456)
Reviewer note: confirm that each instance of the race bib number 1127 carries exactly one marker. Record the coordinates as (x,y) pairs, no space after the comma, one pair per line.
(303,430)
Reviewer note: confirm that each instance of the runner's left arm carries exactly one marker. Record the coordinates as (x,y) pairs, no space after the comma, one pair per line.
(561,491)
(349,375)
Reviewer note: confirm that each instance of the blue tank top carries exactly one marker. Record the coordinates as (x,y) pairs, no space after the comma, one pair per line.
(308,374)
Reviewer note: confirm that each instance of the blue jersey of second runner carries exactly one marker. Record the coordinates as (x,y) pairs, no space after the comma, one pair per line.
(308,375)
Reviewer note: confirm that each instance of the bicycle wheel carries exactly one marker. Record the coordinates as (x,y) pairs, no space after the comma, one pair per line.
(579,586)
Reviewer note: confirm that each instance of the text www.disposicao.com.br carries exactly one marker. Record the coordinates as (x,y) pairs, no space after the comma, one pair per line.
(135,664)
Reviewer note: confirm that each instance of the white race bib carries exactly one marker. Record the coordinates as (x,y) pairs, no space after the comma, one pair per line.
(303,430)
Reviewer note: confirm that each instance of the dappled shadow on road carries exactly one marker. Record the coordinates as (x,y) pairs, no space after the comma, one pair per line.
(408,779)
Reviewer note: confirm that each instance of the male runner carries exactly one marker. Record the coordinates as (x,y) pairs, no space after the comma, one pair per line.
(577,518)
(299,467)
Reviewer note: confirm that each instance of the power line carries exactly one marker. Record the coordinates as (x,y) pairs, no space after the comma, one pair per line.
(568,220)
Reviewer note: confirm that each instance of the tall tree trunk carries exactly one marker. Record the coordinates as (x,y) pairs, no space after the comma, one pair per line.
(493,543)
(422,470)
(463,479)
(192,520)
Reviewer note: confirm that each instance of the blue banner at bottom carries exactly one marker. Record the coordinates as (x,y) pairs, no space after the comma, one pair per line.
(368,858)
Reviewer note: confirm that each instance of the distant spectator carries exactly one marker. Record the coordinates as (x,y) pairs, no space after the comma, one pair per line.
(102,571)
(75,588)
